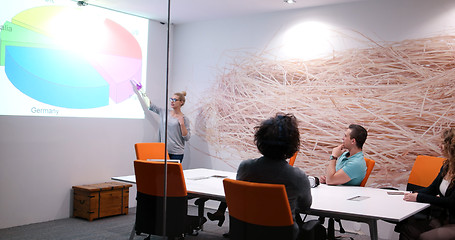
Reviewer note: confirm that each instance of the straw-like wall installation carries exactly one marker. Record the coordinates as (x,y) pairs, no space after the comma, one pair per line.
(402,92)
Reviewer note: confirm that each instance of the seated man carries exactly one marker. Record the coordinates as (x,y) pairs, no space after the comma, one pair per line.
(347,164)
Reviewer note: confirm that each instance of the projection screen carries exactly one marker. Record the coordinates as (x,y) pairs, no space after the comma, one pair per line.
(58,59)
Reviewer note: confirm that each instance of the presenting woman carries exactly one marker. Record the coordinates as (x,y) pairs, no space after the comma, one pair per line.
(178,125)
(441,195)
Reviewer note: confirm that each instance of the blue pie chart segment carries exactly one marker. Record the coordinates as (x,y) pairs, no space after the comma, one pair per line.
(42,73)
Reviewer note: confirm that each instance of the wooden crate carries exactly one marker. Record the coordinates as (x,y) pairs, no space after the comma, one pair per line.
(100,200)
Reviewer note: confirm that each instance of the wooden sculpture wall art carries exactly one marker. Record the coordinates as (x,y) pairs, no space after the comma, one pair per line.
(402,92)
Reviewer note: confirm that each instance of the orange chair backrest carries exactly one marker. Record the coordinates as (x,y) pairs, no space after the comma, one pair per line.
(370,164)
(150,178)
(258,203)
(425,170)
(292,159)
(152,150)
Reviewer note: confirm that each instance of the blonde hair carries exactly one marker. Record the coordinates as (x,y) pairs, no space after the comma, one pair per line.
(181,96)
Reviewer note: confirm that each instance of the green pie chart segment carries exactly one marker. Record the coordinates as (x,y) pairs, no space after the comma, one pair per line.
(63,57)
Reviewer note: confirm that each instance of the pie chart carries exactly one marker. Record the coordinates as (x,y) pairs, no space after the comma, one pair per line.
(64,57)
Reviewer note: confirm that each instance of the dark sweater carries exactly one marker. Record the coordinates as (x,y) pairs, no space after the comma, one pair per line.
(447,202)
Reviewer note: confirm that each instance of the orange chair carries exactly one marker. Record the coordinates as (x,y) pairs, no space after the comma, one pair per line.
(152,150)
(258,210)
(424,171)
(150,199)
(292,159)
(370,164)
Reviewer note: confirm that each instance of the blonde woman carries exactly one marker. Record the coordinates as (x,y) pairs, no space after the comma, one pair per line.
(178,125)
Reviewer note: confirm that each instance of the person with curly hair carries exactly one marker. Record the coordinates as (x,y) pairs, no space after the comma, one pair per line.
(277,139)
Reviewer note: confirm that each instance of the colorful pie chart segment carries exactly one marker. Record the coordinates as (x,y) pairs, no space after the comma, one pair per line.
(64,57)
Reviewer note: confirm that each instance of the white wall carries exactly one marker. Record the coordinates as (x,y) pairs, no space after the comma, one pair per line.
(41,158)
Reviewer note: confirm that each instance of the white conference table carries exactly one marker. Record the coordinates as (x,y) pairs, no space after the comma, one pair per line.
(201,182)
(360,204)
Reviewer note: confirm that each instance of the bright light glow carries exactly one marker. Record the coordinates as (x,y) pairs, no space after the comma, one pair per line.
(289,1)
(307,40)
(73,35)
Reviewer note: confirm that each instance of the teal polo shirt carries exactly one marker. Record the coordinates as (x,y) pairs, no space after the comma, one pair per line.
(354,166)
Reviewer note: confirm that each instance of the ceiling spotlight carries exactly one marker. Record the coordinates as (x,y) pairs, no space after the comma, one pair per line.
(289,1)
(81,3)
